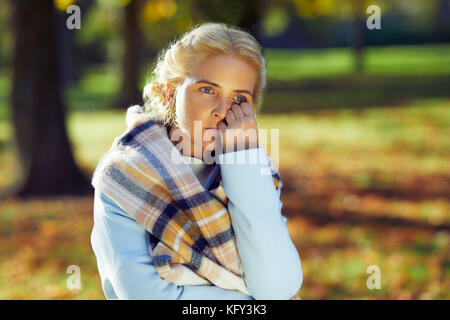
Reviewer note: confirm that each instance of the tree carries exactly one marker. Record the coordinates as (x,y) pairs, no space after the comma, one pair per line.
(358,38)
(131,39)
(37,108)
(245,14)
(252,16)
(441,22)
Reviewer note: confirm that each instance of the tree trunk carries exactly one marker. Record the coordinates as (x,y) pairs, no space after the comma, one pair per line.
(129,92)
(252,16)
(359,30)
(441,23)
(38,112)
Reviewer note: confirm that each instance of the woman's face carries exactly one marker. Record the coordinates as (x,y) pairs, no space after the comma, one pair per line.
(216,84)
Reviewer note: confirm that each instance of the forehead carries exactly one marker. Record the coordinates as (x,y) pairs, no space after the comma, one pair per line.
(226,71)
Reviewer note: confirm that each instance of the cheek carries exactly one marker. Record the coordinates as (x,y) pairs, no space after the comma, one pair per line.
(195,107)
(184,110)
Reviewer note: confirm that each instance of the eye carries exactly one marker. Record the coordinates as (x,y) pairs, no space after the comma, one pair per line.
(242,99)
(208,89)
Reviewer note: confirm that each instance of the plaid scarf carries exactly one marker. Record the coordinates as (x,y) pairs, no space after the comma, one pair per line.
(195,243)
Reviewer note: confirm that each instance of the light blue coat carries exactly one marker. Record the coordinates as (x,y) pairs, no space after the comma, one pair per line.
(271,263)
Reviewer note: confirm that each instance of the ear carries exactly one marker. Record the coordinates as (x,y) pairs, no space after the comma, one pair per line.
(170,90)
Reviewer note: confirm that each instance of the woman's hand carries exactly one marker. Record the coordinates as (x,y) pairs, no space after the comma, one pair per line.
(240,123)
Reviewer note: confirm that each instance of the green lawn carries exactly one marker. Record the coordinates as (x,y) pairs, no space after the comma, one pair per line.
(363,158)
(394,60)
(392,75)
(370,164)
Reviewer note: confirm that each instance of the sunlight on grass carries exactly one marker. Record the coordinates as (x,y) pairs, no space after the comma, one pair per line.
(375,163)
(368,139)
(395,60)
(92,134)
(389,161)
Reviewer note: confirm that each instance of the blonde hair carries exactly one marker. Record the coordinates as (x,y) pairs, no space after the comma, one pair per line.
(179,59)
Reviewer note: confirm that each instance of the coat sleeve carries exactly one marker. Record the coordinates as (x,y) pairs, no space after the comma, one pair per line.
(270,260)
(120,244)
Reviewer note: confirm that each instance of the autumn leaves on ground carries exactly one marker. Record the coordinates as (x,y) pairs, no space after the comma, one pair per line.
(361,188)
(364,164)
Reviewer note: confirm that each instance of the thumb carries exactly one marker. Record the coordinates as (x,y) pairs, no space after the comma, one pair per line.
(222,126)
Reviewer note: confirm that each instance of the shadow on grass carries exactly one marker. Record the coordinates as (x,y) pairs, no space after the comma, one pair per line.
(352,92)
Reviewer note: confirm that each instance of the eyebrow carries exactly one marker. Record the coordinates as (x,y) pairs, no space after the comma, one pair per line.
(216,85)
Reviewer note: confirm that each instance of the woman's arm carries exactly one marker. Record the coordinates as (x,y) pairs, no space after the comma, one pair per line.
(121,245)
(270,260)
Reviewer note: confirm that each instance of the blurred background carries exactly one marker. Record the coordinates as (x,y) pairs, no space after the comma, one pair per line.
(364,125)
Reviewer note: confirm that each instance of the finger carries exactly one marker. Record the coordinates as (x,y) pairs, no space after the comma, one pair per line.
(237,112)
(230,117)
(222,130)
(246,109)
(222,126)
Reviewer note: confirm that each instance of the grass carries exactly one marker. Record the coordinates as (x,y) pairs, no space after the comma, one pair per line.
(338,164)
(392,76)
(363,159)
(288,65)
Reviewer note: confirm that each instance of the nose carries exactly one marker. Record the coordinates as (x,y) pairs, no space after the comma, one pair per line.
(221,110)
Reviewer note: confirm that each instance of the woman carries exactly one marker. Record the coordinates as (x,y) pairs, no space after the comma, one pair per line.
(169,223)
